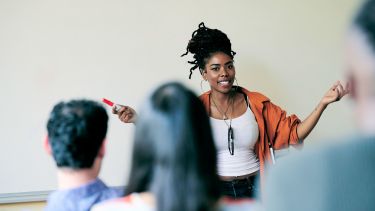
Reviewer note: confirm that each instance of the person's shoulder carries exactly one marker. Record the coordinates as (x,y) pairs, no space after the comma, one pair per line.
(359,147)
(254,95)
(82,197)
(337,166)
(330,157)
(99,190)
(60,200)
(114,204)
(129,202)
(229,204)
(204,95)
(354,144)
(359,141)
(113,192)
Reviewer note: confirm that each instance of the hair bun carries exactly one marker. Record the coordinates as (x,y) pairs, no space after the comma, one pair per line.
(205,41)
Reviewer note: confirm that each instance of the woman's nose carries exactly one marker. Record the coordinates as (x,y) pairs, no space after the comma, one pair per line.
(223,71)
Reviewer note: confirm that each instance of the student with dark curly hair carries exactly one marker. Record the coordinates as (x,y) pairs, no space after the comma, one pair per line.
(76,133)
(174,158)
(247,126)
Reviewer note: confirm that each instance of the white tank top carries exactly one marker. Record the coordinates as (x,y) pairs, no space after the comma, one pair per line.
(245,131)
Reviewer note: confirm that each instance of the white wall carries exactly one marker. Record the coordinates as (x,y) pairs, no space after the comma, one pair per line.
(290,50)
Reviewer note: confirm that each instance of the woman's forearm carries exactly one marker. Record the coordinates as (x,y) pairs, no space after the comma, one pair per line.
(307,125)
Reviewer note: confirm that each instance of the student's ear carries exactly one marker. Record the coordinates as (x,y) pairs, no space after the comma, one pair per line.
(101,152)
(204,74)
(47,146)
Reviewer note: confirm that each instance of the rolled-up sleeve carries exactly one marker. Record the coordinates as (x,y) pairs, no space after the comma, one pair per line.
(281,129)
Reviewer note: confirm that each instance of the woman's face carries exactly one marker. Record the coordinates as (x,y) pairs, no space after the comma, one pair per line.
(220,73)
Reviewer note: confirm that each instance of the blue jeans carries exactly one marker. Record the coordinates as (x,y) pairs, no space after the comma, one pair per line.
(239,188)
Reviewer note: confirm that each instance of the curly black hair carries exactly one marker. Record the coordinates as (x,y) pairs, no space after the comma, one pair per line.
(76,131)
(203,43)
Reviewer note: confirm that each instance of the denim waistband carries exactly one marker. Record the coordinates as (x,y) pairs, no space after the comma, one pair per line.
(250,179)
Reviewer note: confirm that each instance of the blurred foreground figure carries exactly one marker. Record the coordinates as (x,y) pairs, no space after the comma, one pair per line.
(174,158)
(340,176)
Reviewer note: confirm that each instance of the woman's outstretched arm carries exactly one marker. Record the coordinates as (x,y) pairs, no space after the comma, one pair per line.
(335,93)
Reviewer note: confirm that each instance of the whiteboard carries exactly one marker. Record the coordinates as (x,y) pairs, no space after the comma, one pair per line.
(60,50)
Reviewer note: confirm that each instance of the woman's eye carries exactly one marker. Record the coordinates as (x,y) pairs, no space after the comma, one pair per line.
(230,66)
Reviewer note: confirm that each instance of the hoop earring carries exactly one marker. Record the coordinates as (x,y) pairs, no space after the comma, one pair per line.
(237,86)
(202,86)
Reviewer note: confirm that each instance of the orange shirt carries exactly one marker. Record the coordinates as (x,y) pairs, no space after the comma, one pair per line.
(274,126)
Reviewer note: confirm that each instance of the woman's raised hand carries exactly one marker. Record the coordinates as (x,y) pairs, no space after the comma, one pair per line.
(335,93)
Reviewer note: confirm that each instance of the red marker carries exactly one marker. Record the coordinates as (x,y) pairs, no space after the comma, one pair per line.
(110,103)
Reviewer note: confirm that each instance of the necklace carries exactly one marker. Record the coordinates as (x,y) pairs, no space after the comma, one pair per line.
(225,117)
(230,129)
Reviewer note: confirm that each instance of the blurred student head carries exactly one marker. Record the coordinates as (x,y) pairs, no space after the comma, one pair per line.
(361,61)
(174,156)
(336,176)
(76,131)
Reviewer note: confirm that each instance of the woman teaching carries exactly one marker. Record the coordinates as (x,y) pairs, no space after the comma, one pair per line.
(246,125)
